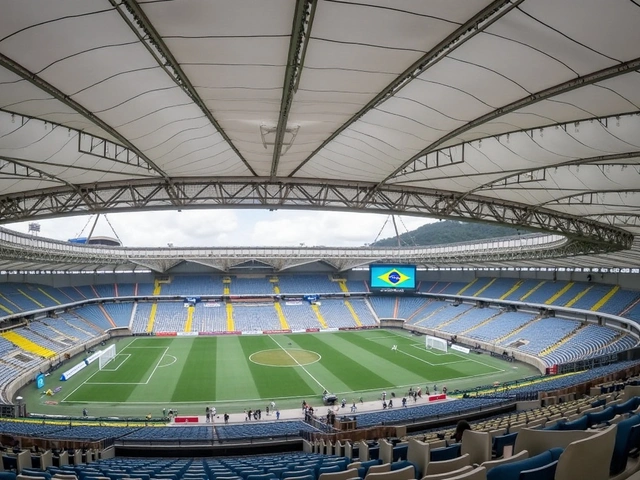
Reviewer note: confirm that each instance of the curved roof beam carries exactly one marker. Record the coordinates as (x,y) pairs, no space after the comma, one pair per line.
(476,24)
(599,76)
(162,55)
(528,171)
(300,33)
(45,86)
(261,193)
(587,197)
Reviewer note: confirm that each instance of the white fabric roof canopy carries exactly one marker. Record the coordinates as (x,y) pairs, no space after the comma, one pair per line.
(532,103)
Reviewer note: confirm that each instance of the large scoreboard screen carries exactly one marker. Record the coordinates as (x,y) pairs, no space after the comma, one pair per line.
(392,278)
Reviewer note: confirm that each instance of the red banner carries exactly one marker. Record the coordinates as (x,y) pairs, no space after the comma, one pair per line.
(186,420)
(166,334)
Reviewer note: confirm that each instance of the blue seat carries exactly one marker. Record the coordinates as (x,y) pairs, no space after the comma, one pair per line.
(600,417)
(400,453)
(581,423)
(364,467)
(546,472)
(511,471)
(36,473)
(501,441)
(329,469)
(9,462)
(299,473)
(304,477)
(262,476)
(374,453)
(8,476)
(627,438)
(626,407)
(445,453)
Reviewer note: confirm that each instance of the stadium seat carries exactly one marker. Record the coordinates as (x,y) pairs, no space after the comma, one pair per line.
(588,458)
(445,453)
(546,472)
(448,465)
(627,438)
(504,461)
(407,473)
(447,475)
(502,441)
(477,445)
(343,475)
(511,471)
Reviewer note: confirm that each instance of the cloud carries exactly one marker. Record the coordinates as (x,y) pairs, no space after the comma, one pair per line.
(327,228)
(192,228)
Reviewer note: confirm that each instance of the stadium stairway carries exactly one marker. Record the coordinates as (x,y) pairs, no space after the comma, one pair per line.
(479,292)
(3,308)
(230,323)
(342,283)
(418,311)
(431,315)
(512,289)
(562,341)
(157,289)
(356,319)
(451,320)
(284,325)
(575,299)
(484,322)
(321,320)
(13,309)
(559,293)
(47,294)
(67,335)
(189,324)
(600,303)
(467,286)
(532,291)
(30,298)
(514,332)
(106,314)
(27,345)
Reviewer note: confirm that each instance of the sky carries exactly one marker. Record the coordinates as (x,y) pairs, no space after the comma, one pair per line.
(202,228)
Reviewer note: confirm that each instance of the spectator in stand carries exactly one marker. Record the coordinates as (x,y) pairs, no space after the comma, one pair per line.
(460,428)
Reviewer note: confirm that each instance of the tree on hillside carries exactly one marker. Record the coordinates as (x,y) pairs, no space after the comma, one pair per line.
(447,232)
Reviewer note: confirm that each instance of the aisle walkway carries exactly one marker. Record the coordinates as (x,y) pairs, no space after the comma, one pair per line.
(298,413)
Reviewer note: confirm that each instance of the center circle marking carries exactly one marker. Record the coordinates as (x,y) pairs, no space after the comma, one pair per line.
(277,357)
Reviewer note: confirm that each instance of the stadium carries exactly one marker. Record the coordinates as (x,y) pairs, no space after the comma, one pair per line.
(322,362)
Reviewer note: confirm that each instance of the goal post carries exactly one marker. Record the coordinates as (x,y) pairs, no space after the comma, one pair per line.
(435,343)
(108,354)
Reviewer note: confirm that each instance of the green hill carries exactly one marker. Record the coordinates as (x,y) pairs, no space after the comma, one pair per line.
(447,232)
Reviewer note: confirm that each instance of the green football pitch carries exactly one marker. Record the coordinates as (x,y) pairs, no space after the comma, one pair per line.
(233,373)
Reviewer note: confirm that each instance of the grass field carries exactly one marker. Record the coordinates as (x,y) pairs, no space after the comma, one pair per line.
(232,373)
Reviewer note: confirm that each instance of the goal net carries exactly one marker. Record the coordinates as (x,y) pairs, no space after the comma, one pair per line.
(107,355)
(436,343)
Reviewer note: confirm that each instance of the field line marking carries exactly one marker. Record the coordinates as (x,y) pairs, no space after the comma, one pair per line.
(78,387)
(298,363)
(464,358)
(157,365)
(89,378)
(124,356)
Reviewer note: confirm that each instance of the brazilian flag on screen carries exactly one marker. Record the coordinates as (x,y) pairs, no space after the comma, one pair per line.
(393,276)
